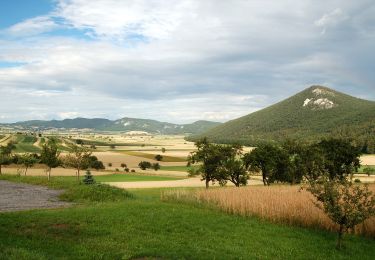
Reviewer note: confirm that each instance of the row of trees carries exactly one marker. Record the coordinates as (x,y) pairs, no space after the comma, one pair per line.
(79,158)
(290,162)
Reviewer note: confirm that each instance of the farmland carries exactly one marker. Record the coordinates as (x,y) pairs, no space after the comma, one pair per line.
(178,217)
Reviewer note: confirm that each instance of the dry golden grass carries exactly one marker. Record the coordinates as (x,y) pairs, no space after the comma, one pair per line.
(280,204)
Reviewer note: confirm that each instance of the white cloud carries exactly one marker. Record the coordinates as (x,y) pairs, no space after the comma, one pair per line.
(183,60)
(33,26)
(122,19)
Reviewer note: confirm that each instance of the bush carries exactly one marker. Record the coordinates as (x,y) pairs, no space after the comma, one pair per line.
(357,180)
(88,179)
(132,170)
(126,169)
(158,157)
(156,166)
(109,164)
(144,165)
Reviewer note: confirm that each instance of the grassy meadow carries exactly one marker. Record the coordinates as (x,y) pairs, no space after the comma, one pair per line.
(109,223)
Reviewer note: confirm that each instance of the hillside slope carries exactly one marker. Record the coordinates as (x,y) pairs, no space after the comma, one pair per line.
(311,114)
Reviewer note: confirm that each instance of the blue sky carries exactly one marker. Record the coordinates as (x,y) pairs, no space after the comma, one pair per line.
(177,60)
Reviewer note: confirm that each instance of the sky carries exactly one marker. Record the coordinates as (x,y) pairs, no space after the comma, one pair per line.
(178,60)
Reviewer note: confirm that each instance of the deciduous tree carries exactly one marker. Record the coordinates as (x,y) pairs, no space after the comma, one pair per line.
(50,157)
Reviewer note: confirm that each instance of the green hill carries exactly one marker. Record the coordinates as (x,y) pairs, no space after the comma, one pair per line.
(309,115)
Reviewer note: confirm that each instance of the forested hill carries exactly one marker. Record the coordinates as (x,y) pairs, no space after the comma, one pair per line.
(309,115)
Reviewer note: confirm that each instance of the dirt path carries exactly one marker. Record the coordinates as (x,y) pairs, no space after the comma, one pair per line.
(19,196)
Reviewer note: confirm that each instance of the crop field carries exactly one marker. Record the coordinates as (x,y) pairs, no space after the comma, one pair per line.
(25,143)
(280,204)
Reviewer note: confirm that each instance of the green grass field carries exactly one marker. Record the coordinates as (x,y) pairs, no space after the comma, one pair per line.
(152,156)
(112,224)
(177,168)
(25,144)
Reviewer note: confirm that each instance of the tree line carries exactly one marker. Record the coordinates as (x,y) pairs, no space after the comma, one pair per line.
(290,162)
(79,158)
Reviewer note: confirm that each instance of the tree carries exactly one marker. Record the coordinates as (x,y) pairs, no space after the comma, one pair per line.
(156,166)
(94,163)
(123,165)
(78,158)
(211,156)
(341,157)
(28,160)
(144,165)
(267,158)
(50,157)
(345,203)
(233,168)
(5,154)
(163,150)
(80,141)
(158,157)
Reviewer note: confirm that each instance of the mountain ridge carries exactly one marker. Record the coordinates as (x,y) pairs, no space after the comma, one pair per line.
(123,124)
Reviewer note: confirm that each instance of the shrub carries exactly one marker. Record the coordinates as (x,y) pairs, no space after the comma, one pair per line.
(144,165)
(88,179)
(158,157)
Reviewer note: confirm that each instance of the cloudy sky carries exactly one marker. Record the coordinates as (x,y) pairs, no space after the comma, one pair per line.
(177,60)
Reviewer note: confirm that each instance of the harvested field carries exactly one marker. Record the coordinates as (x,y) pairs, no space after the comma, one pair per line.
(280,204)
(368,160)
(151,156)
(19,196)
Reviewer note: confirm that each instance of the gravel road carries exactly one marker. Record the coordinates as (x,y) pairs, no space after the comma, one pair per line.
(19,196)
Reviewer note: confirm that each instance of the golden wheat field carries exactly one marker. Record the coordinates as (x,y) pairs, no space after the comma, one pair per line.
(281,204)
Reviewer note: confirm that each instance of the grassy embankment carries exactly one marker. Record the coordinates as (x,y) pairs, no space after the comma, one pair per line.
(108,224)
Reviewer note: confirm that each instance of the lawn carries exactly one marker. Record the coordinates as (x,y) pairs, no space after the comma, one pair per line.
(143,227)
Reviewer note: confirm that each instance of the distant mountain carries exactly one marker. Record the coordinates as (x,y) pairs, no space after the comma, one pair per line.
(309,115)
(125,124)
